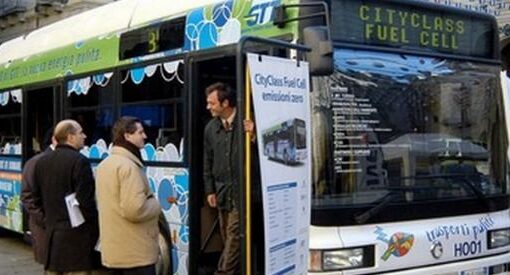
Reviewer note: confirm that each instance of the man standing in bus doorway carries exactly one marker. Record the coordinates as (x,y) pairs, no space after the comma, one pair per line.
(69,249)
(128,210)
(221,178)
(35,213)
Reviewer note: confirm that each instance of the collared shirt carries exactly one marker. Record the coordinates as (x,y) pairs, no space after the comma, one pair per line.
(230,120)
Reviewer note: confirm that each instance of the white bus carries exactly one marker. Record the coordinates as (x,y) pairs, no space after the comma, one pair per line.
(409,131)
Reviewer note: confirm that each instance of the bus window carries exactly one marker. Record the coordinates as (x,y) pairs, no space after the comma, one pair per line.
(421,128)
(155,95)
(39,118)
(153,82)
(10,160)
(10,119)
(90,102)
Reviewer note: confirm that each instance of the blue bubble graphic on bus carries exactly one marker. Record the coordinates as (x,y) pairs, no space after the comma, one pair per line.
(99,79)
(152,185)
(165,192)
(150,151)
(193,25)
(94,152)
(203,33)
(222,12)
(137,75)
(208,36)
(4,98)
(184,234)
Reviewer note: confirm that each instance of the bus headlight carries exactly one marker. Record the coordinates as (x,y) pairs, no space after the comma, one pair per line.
(340,259)
(498,238)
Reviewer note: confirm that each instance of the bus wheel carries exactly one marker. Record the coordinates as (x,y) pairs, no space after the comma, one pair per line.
(285,158)
(163,265)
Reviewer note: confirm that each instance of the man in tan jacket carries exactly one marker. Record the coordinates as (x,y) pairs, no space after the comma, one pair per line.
(128,211)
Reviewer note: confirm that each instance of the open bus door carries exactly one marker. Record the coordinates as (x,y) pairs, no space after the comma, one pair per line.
(40,113)
(228,65)
(204,69)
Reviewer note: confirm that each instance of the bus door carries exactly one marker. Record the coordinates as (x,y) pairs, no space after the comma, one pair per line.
(205,69)
(40,113)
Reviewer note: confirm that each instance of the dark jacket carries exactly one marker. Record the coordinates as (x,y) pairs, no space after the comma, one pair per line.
(220,164)
(58,174)
(35,212)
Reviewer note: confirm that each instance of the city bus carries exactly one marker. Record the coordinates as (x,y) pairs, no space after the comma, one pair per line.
(410,144)
(286,141)
(409,141)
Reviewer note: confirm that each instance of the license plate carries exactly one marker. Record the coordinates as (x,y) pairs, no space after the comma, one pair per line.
(476,271)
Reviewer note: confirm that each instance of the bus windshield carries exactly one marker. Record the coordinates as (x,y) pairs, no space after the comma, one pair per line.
(425,129)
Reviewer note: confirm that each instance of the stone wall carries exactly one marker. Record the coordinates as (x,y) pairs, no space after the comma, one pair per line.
(498,8)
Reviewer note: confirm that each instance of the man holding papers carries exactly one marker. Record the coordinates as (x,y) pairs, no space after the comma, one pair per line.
(72,230)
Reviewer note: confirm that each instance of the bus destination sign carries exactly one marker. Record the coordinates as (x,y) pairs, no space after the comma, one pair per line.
(395,24)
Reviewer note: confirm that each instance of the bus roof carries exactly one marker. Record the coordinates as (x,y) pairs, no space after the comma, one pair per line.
(92,41)
(116,16)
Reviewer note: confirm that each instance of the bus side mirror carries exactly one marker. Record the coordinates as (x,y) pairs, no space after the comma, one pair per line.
(321,56)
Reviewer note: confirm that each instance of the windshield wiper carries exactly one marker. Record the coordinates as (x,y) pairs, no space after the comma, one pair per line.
(396,190)
(464,181)
(365,216)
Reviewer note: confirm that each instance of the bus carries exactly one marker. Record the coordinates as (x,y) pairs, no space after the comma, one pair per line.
(286,141)
(410,164)
(410,144)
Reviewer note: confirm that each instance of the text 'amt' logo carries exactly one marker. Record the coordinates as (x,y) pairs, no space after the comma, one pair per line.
(261,12)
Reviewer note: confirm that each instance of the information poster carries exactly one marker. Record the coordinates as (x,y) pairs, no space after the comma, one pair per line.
(281,97)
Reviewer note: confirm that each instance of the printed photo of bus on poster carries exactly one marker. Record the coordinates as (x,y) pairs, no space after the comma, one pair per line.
(286,142)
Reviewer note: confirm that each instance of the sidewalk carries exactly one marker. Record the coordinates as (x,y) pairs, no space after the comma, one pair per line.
(16,257)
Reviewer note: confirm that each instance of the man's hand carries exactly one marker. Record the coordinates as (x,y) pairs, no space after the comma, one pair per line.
(211,199)
(249,127)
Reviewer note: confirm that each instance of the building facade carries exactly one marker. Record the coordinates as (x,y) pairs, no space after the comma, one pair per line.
(19,17)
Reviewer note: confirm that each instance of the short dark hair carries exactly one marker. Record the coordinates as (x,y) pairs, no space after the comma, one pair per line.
(225,92)
(125,124)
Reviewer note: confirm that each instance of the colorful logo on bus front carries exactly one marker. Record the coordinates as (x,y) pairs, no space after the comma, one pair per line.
(261,12)
(399,244)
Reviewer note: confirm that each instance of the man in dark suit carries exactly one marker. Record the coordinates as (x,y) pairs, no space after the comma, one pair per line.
(58,174)
(34,213)
(221,178)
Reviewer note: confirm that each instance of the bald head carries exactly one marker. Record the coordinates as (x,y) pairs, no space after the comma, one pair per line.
(69,132)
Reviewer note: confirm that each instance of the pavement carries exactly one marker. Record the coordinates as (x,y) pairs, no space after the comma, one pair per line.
(16,256)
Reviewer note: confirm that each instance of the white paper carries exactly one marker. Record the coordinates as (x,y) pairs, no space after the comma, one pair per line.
(98,245)
(73,209)
(281,88)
